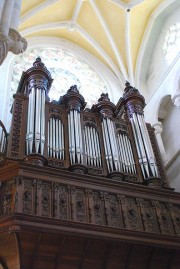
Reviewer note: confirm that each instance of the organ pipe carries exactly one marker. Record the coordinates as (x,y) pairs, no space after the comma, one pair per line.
(55,138)
(36,122)
(75,137)
(92,150)
(148,147)
(38,84)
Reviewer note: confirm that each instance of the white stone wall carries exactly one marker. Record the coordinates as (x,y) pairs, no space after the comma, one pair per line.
(158,66)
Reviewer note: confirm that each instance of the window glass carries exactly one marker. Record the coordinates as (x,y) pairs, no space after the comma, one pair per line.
(171,47)
(66,70)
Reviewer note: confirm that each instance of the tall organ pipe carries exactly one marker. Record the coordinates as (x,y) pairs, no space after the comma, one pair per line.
(38,83)
(55,138)
(92,150)
(75,137)
(148,147)
(134,103)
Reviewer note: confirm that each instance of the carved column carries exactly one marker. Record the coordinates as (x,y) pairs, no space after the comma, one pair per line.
(134,104)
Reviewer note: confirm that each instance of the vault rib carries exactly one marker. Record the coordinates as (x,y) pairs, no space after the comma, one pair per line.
(111,40)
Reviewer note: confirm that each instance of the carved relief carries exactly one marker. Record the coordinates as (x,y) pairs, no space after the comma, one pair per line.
(16,128)
(95,171)
(163,218)
(7,198)
(55,110)
(98,209)
(88,118)
(28,197)
(148,216)
(132,214)
(53,163)
(175,211)
(50,199)
(80,205)
(14,42)
(44,199)
(63,203)
(121,126)
(114,213)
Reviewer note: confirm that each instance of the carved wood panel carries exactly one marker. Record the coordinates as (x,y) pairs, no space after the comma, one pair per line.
(67,202)
(16,128)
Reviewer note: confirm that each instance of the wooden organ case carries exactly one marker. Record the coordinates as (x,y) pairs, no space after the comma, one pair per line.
(83,188)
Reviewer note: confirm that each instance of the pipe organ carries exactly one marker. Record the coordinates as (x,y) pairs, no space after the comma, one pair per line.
(79,185)
(109,140)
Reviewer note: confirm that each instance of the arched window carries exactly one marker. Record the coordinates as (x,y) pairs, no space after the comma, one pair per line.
(66,70)
(171,47)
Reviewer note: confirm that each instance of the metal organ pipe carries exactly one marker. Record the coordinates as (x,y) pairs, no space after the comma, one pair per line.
(55,138)
(111,145)
(125,154)
(148,147)
(92,149)
(37,120)
(143,145)
(70,143)
(120,153)
(31,121)
(42,121)
(107,146)
(80,137)
(62,141)
(138,148)
(75,137)
(132,162)
(98,148)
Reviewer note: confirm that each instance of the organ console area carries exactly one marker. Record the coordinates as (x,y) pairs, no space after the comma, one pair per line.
(107,140)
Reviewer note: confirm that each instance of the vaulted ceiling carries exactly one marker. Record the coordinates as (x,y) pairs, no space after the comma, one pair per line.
(117,32)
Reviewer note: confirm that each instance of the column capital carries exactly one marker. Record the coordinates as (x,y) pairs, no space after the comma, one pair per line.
(176,99)
(158,127)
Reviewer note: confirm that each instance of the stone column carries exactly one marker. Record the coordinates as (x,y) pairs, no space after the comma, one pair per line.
(16,14)
(6,16)
(158,132)
(1,8)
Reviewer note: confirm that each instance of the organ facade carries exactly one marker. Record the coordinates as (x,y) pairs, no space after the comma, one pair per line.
(75,179)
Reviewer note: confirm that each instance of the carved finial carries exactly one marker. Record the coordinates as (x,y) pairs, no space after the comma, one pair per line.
(129,88)
(38,63)
(135,90)
(73,88)
(127,83)
(104,97)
